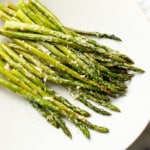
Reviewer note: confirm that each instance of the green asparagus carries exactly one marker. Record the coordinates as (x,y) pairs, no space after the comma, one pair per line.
(42,49)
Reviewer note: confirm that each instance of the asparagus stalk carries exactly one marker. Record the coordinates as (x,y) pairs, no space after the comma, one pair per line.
(46,94)
(47,104)
(85,67)
(39,83)
(110,87)
(52,76)
(91,106)
(49,115)
(42,102)
(4,16)
(90,125)
(57,121)
(54,119)
(45,31)
(100,102)
(27,11)
(89,40)
(50,16)
(53,37)
(97,98)
(82,127)
(65,59)
(69,53)
(63,126)
(37,12)
(62,67)
(48,13)
(111,67)
(23,17)
(20,87)
(7,10)
(42,17)
(95,34)
(20,14)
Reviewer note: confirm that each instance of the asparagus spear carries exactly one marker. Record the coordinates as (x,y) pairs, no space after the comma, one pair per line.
(50,15)
(97,128)
(23,17)
(107,71)
(43,30)
(101,129)
(4,16)
(91,106)
(58,65)
(20,14)
(37,12)
(107,49)
(43,102)
(112,88)
(42,17)
(47,104)
(82,127)
(52,76)
(38,82)
(43,10)
(97,98)
(7,10)
(54,118)
(100,102)
(54,37)
(46,94)
(95,34)
(49,115)
(68,52)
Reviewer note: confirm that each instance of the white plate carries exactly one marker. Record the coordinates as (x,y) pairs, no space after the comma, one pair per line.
(21,127)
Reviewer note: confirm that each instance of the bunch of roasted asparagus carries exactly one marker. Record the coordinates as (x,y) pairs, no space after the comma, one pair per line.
(42,49)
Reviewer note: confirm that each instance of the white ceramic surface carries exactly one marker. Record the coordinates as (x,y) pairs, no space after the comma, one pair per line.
(22,128)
